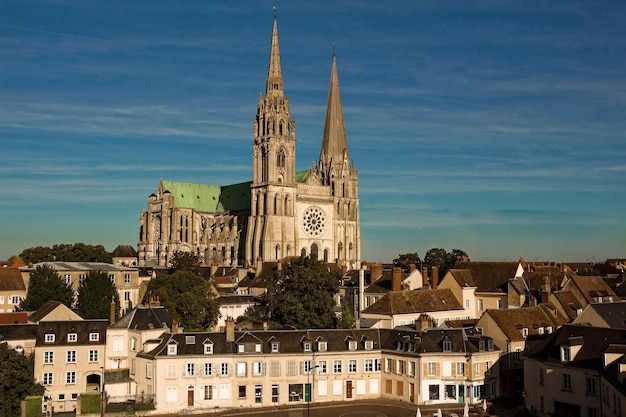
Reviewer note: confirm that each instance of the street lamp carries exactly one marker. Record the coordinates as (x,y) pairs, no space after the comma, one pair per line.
(102,404)
(310,388)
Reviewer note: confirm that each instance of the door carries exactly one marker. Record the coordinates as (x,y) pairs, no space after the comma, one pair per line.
(190,397)
(348,389)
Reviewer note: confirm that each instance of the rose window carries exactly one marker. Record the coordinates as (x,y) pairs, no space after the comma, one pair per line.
(314,221)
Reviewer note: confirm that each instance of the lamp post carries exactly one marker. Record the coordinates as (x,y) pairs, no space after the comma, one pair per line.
(310,387)
(102,405)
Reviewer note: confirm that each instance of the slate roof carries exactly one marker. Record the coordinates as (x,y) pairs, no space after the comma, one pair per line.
(415,301)
(382,285)
(124,251)
(82,329)
(512,321)
(145,318)
(488,276)
(18,331)
(11,280)
(568,302)
(614,314)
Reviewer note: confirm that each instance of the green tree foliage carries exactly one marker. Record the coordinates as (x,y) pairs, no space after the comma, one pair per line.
(46,285)
(63,252)
(95,294)
(347,318)
(405,260)
(16,381)
(185,261)
(189,299)
(301,294)
(443,260)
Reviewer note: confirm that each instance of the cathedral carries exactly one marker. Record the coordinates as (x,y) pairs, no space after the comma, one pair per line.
(281,212)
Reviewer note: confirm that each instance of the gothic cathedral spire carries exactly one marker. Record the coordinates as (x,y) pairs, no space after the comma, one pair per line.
(334,142)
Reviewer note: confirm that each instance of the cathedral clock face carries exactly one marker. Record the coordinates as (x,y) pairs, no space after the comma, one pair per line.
(314,221)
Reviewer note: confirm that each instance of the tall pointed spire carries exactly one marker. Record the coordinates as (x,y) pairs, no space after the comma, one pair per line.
(274,85)
(334,142)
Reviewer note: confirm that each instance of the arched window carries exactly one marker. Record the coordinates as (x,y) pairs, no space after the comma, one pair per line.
(280,127)
(280,159)
(303,252)
(314,251)
(277,251)
(340,250)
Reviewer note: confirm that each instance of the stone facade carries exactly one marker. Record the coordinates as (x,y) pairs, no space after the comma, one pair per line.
(279,213)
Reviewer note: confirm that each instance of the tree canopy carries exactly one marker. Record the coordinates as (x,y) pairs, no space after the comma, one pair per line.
(444,261)
(63,252)
(405,260)
(189,299)
(185,261)
(301,293)
(45,285)
(94,296)
(16,381)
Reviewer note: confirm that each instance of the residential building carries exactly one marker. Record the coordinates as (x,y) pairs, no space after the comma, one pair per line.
(12,289)
(611,315)
(589,289)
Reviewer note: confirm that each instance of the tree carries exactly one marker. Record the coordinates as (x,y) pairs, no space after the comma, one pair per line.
(185,261)
(95,294)
(405,260)
(46,285)
(16,380)
(442,260)
(189,298)
(347,318)
(301,294)
(37,254)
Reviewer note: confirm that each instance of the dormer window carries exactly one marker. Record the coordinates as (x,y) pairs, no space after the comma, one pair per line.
(322,346)
(447,346)
(352,345)
(275,346)
(72,337)
(566,354)
(525,332)
(49,338)
(257,348)
(94,337)
(549,329)
(481,345)
(540,330)
(489,344)
(172,349)
(241,348)
(307,346)
(369,345)
(208,348)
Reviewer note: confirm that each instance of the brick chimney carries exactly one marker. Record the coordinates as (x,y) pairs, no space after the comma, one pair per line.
(174,326)
(230,329)
(377,271)
(112,312)
(396,278)
(435,277)
(425,282)
(545,289)
(423,322)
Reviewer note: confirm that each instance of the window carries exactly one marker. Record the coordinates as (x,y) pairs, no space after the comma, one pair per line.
(126,295)
(447,346)
(500,303)
(70,377)
(481,307)
(241,369)
(307,346)
(224,368)
(61,397)
(275,393)
(432,368)
(291,368)
(67,278)
(70,356)
(352,368)
(82,278)
(369,344)
(566,354)
(411,370)
(126,278)
(481,345)
(400,367)
(191,369)
(567,382)
(258,368)
(48,357)
(241,348)
(460,368)
(257,348)
(433,392)
(388,365)
(525,332)
(369,365)
(467,303)
(94,337)
(47,378)
(275,347)
(15,299)
(133,344)
(540,330)
(148,371)
(477,368)
(242,391)
(275,368)
(72,337)
(171,371)
(305,367)
(489,344)
(590,386)
(352,345)
(171,349)
(112,278)
(377,365)
(208,369)
(549,329)
(208,392)
(487,364)
(208,348)
(592,412)
(337,364)
(322,367)
(74,396)
(93,355)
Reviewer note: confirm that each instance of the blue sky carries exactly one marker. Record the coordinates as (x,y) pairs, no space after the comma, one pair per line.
(496,127)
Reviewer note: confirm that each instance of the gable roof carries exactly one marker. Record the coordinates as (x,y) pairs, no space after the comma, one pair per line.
(489,276)
(613,314)
(11,279)
(512,321)
(592,287)
(415,301)
(208,198)
(145,318)
(568,302)
(48,308)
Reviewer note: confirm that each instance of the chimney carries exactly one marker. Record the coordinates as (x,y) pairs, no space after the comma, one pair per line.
(264,325)
(357,324)
(174,326)
(435,277)
(155,301)
(112,312)
(425,282)
(230,329)
(423,322)
(377,271)
(361,290)
(545,290)
(396,278)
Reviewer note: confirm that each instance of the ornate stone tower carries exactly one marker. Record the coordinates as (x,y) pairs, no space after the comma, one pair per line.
(271,233)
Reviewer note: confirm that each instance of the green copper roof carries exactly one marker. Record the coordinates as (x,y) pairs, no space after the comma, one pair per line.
(302,175)
(209,198)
